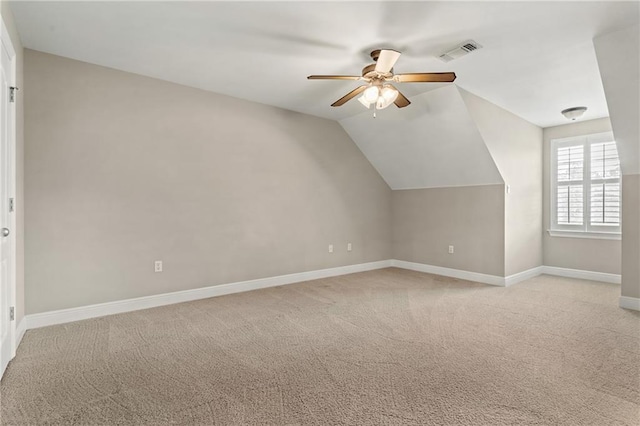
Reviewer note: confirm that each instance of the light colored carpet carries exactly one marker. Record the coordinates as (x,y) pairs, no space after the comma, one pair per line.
(381,347)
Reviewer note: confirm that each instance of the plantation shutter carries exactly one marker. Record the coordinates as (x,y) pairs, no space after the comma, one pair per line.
(585,187)
(605,185)
(570,187)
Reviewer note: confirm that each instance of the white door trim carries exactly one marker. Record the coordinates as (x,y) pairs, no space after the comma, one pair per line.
(7,43)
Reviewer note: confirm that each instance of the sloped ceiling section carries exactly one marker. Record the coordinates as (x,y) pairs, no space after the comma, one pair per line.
(432,143)
(619,59)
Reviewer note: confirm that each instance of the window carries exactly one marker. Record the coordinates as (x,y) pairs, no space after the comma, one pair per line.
(585,187)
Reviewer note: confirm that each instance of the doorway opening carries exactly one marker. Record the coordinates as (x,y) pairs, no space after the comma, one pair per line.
(7,200)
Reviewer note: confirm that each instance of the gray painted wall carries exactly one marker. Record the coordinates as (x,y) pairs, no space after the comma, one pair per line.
(516,147)
(576,253)
(471,218)
(7,17)
(123,170)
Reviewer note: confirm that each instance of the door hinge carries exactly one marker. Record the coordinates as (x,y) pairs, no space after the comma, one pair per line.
(12,93)
(12,313)
(11,205)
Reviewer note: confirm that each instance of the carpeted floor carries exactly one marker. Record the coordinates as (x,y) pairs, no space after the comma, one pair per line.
(382,347)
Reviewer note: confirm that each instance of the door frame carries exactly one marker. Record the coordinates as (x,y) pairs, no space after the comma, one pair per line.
(6,41)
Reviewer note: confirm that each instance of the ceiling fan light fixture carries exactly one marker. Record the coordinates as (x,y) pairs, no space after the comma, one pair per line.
(574,112)
(364,102)
(389,94)
(371,94)
(386,98)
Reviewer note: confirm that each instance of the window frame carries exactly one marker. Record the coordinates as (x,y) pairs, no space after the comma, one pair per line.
(586,229)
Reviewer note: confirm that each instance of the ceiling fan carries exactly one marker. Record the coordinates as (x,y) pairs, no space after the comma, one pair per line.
(379,92)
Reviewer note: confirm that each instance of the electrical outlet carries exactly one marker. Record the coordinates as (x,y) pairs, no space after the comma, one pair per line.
(157,265)
(349,248)
(330,248)
(450,249)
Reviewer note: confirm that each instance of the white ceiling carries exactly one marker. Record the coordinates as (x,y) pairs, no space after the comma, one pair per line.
(538,57)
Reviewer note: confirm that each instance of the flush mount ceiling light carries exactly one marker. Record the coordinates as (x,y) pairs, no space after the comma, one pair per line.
(379,92)
(574,113)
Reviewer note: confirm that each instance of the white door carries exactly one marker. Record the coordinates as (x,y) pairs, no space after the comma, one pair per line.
(7,236)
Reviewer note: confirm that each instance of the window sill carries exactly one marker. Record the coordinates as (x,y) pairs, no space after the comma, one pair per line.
(584,234)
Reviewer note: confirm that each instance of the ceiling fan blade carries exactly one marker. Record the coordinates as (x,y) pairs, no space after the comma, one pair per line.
(401,101)
(352,94)
(386,60)
(334,77)
(425,77)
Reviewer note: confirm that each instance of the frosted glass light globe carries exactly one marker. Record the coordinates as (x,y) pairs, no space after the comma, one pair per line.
(371,94)
(389,94)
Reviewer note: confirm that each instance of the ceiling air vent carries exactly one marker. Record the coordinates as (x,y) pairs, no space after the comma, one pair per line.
(460,50)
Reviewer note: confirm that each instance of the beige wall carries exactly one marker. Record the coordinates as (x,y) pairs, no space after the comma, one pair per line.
(7,18)
(576,253)
(631,236)
(123,170)
(471,218)
(493,232)
(516,147)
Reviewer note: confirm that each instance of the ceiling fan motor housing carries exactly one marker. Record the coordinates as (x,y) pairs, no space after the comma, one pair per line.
(370,72)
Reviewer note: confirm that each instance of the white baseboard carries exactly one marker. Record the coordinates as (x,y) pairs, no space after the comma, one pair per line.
(583,275)
(630,303)
(449,272)
(522,276)
(511,279)
(92,311)
(21,328)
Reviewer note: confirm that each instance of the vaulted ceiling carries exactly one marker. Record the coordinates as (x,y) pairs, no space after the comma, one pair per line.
(537,59)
